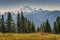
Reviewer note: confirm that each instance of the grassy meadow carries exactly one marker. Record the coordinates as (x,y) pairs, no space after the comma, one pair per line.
(29,36)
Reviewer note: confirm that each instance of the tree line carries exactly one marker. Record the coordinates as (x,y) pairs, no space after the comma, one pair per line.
(24,25)
(46,27)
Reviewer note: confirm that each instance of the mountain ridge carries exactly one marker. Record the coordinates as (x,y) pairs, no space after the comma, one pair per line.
(37,16)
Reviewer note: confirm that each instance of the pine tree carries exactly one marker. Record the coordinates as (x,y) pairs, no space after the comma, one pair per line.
(23,22)
(23,25)
(19,23)
(47,27)
(33,27)
(14,28)
(29,26)
(38,29)
(57,25)
(56,30)
(2,24)
(41,28)
(26,25)
(9,22)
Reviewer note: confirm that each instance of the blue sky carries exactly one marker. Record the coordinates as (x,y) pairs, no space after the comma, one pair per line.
(7,5)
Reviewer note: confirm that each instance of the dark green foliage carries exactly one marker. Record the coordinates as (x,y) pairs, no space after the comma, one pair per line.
(22,26)
(38,29)
(9,22)
(42,28)
(28,26)
(47,27)
(2,24)
(23,23)
(19,23)
(57,25)
(14,28)
(33,27)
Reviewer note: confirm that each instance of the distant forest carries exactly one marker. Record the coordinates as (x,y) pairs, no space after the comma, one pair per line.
(24,25)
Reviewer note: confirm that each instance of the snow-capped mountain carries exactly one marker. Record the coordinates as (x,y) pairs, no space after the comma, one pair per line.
(26,9)
(37,15)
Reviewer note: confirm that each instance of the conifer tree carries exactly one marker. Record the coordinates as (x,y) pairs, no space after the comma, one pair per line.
(41,28)
(47,27)
(9,22)
(23,22)
(14,28)
(29,26)
(26,25)
(2,24)
(38,29)
(19,23)
(22,26)
(33,27)
(57,25)
(55,28)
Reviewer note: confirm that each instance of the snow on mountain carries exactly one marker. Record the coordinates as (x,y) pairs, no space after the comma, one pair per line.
(36,15)
(26,9)
(30,10)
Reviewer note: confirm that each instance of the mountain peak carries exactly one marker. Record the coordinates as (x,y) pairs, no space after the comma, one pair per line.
(26,9)
(40,9)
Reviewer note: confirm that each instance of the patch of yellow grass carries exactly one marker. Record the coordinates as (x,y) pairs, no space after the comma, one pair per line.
(30,36)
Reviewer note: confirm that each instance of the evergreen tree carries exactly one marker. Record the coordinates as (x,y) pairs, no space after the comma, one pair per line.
(57,25)
(33,27)
(29,26)
(19,23)
(47,27)
(23,25)
(26,25)
(9,22)
(2,24)
(41,28)
(38,29)
(14,28)
(23,22)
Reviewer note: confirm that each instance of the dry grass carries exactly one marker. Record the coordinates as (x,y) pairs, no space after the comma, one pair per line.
(30,36)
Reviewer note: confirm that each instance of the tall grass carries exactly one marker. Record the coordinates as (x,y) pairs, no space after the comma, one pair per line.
(31,36)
